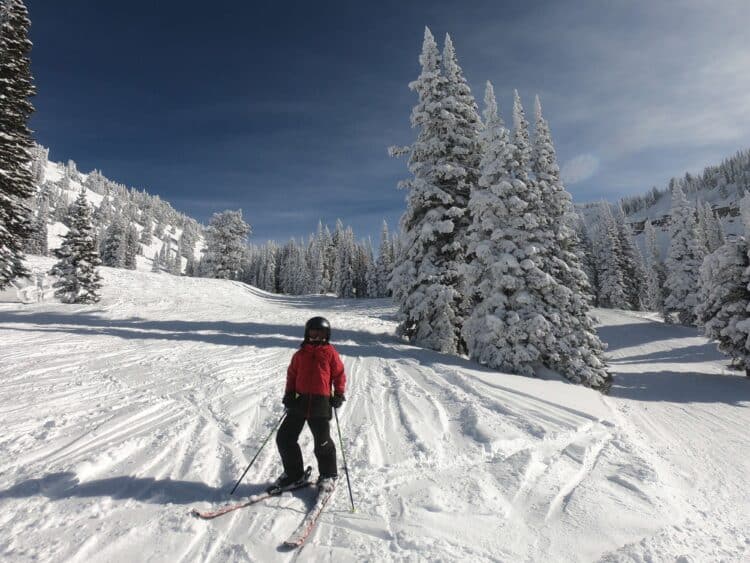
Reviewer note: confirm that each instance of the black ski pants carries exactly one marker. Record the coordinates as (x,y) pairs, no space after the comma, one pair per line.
(291,454)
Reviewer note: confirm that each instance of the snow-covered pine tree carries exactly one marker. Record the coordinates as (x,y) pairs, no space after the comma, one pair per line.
(612,293)
(579,353)
(465,152)
(16,180)
(37,242)
(167,261)
(683,262)
(712,231)
(384,263)
(343,272)
(363,260)
(701,229)
(329,255)
(655,275)
(588,260)
(428,283)
(79,280)
(40,159)
(317,261)
(724,299)
(270,278)
(226,237)
(115,243)
(132,247)
(104,213)
(372,272)
(156,263)
(96,182)
(520,139)
(507,328)
(631,262)
(145,237)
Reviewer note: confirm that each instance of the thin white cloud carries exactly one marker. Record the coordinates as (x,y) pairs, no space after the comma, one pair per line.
(630,78)
(580,168)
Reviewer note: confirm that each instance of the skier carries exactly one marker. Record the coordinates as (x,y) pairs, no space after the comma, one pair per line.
(314,369)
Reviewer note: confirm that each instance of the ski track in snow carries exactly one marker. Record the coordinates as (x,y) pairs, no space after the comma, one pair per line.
(120,417)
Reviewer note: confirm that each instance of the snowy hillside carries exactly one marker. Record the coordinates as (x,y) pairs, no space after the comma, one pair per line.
(721,186)
(59,184)
(119,417)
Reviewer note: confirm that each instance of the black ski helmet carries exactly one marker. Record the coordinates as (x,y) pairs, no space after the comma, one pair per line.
(318,323)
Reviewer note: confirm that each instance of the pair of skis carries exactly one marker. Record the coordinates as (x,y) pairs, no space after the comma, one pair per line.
(306,527)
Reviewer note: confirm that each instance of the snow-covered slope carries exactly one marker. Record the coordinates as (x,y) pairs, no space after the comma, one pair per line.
(721,186)
(118,418)
(66,182)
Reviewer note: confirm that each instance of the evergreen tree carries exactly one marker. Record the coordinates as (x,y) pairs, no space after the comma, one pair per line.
(372,273)
(40,159)
(520,141)
(384,264)
(683,262)
(16,180)
(145,237)
(612,292)
(725,298)
(428,282)
(104,213)
(37,243)
(343,273)
(132,247)
(115,243)
(507,328)
(96,182)
(62,207)
(163,254)
(317,261)
(711,229)
(588,261)
(631,261)
(655,275)
(167,261)
(270,280)
(363,260)
(578,352)
(226,238)
(156,263)
(329,257)
(79,280)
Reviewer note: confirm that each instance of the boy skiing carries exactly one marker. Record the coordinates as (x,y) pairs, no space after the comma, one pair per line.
(314,369)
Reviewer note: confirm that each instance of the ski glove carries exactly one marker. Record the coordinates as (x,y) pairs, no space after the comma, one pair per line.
(337,400)
(288,399)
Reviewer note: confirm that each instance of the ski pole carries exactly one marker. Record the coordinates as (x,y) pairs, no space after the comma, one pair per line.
(343,455)
(257,453)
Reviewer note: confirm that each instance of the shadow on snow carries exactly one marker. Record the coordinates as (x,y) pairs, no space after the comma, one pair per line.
(646,386)
(65,485)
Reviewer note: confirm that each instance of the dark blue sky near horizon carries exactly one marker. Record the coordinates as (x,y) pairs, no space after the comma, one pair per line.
(286,109)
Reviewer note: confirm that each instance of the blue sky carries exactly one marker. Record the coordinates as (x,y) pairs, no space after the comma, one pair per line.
(286,109)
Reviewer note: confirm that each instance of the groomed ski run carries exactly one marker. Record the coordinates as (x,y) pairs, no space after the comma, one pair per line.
(119,417)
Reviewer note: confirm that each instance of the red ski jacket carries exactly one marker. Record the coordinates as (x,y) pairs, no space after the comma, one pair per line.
(314,368)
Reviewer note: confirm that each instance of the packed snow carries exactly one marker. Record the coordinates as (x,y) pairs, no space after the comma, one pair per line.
(120,417)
